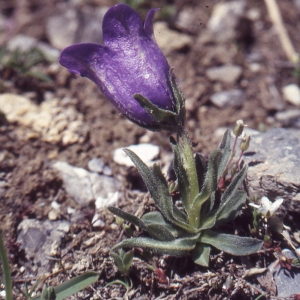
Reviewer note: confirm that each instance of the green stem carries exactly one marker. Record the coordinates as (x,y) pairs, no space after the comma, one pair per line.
(6,270)
(190,167)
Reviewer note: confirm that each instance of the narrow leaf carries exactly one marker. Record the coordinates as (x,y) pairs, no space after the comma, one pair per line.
(226,152)
(231,208)
(73,286)
(147,176)
(231,244)
(234,185)
(181,175)
(127,217)
(6,270)
(159,232)
(156,217)
(177,247)
(209,187)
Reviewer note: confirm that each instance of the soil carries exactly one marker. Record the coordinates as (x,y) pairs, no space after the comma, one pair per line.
(30,184)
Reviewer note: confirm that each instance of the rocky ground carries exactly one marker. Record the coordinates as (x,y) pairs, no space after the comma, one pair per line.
(59,138)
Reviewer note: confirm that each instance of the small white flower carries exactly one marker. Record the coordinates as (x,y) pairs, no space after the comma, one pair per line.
(266,207)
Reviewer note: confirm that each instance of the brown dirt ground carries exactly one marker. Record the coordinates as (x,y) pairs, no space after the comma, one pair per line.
(26,165)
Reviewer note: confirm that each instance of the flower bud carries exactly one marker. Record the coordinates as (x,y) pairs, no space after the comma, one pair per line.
(238,130)
(244,145)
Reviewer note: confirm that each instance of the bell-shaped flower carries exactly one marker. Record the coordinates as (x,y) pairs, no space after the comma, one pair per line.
(130,69)
(266,207)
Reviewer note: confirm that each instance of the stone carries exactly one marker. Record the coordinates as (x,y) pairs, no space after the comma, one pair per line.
(170,40)
(227,74)
(224,20)
(111,199)
(37,239)
(232,98)
(146,152)
(76,25)
(289,118)
(49,120)
(291,93)
(286,281)
(98,166)
(84,186)
(274,166)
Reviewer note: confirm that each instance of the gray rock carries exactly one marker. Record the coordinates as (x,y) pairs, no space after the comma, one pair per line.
(76,25)
(41,240)
(146,152)
(233,98)
(291,93)
(227,74)
(286,281)
(274,166)
(225,19)
(98,166)
(289,118)
(83,186)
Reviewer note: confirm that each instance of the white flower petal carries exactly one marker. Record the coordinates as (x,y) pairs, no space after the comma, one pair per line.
(276,205)
(254,205)
(266,203)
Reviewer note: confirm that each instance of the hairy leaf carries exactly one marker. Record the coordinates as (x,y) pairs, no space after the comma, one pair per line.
(226,151)
(159,232)
(177,247)
(127,217)
(231,244)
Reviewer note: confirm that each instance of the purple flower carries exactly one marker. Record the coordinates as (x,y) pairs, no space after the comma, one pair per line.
(130,70)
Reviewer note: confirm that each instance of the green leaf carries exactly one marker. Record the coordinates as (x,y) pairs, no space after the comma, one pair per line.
(201,254)
(159,232)
(156,217)
(226,152)
(230,209)
(179,97)
(181,174)
(127,217)
(73,286)
(209,187)
(201,167)
(177,247)
(6,270)
(234,185)
(169,210)
(148,177)
(231,244)
(167,119)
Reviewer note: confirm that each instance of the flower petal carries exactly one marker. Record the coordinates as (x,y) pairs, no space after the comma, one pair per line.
(275,205)
(254,205)
(266,203)
(148,26)
(120,24)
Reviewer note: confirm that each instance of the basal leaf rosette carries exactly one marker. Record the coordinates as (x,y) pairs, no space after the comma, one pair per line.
(130,70)
(191,230)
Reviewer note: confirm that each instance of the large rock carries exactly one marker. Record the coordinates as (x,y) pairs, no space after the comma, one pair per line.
(41,240)
(274,166)
(86,187)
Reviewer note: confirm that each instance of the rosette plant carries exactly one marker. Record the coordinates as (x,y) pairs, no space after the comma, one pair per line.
(134,75)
